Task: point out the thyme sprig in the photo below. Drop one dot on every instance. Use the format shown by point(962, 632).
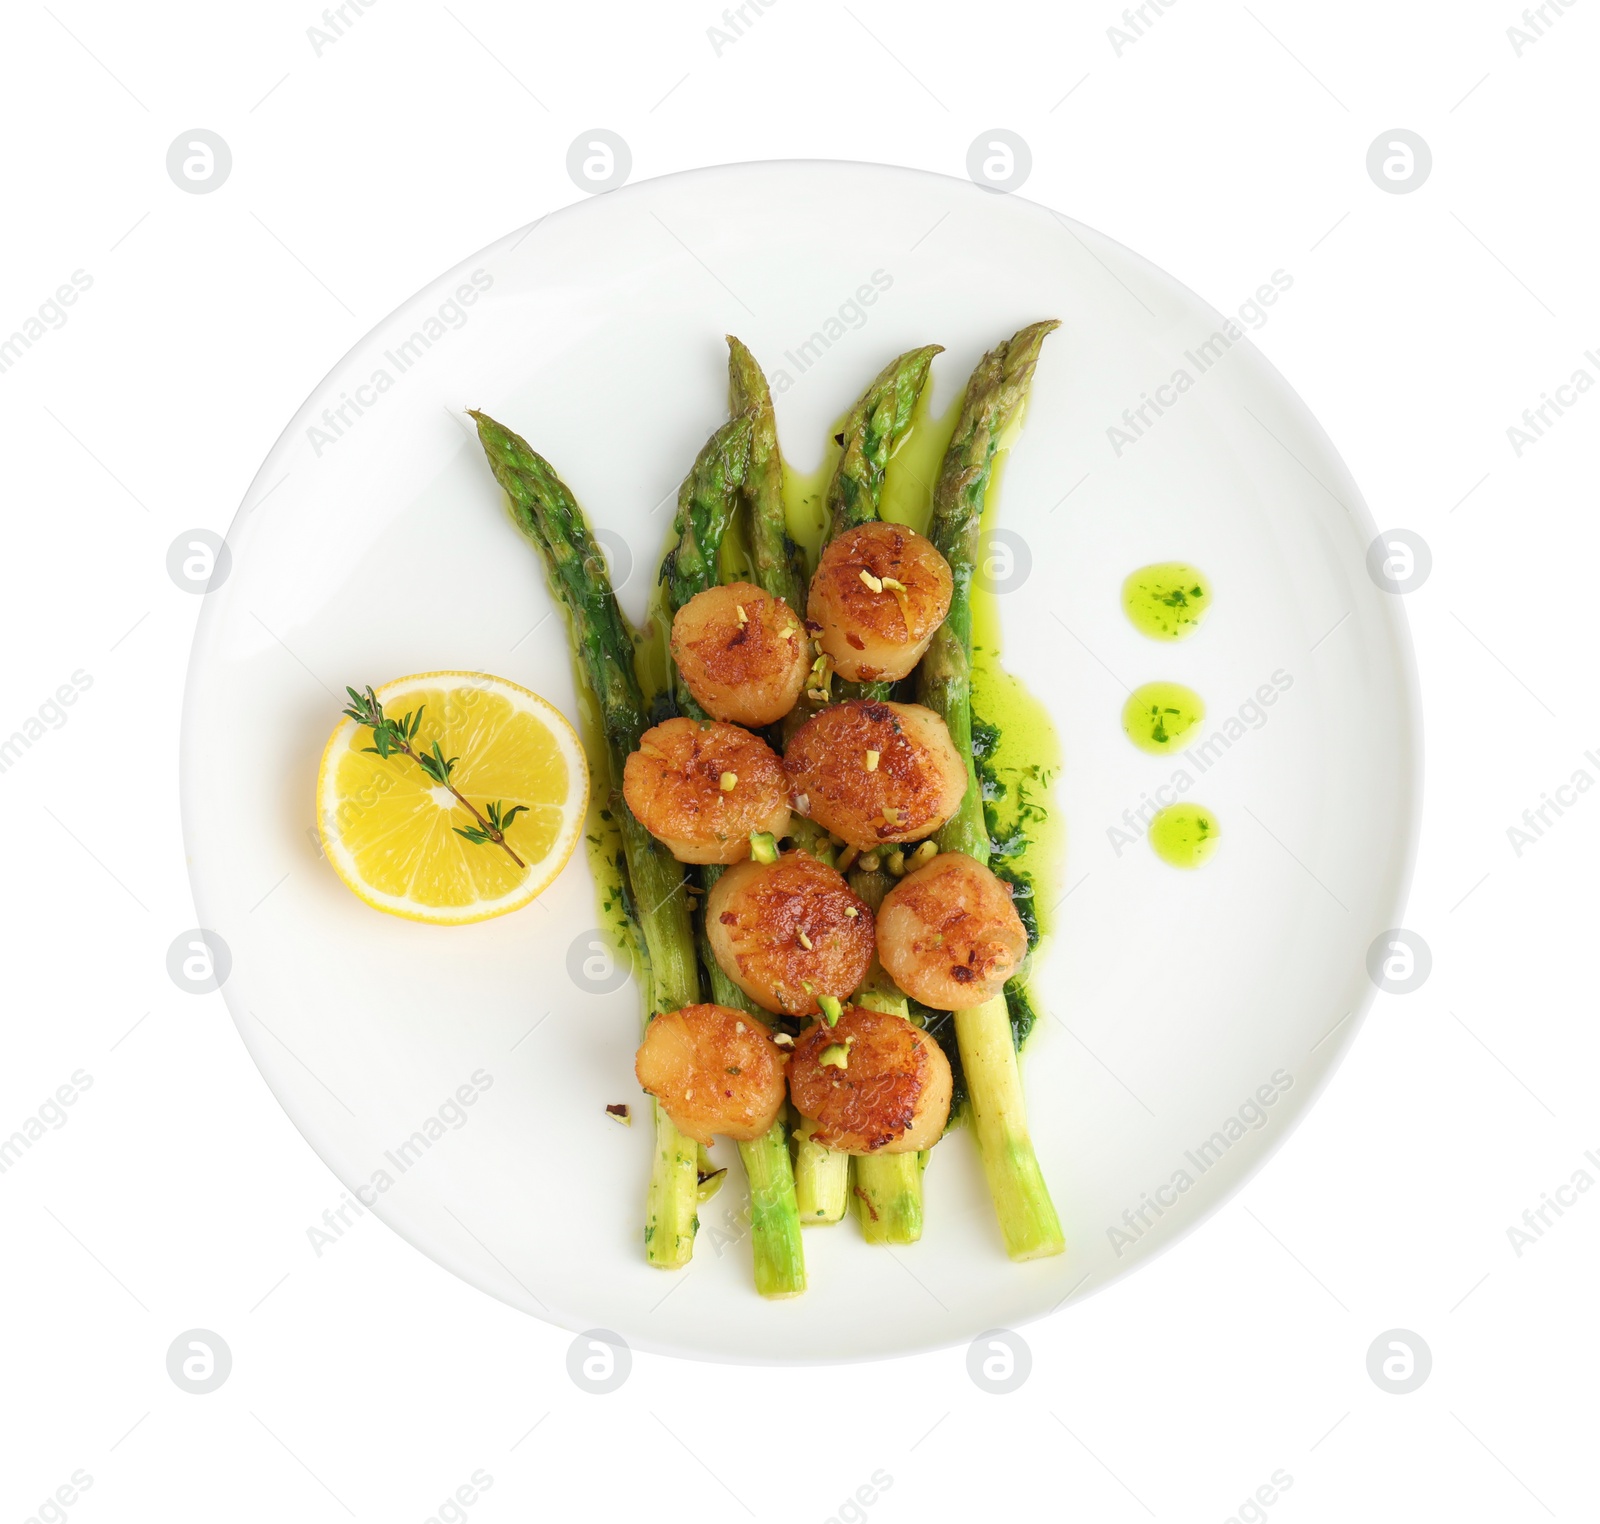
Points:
point(392, 737)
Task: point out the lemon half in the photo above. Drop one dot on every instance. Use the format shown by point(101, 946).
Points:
point(389, 829)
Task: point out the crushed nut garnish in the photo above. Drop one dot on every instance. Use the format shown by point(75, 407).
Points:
point(874, 583)
point(728, 782)
point(873, 758)
point(803, 940)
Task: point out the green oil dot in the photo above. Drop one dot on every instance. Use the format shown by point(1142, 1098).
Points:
point(1184, 835)
point(1161, 717)
point(1166, 601)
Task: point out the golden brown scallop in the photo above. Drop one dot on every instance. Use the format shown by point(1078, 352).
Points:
point(701, 787)
point(743, 653)
point(892, 1095)
point(788, 932)
point(714, 1070)
point(874, 773)
point(880, 592)
point(949, 935)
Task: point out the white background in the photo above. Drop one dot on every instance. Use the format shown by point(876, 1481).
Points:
point(1223, 144)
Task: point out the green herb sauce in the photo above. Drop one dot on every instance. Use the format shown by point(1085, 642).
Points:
point(1166, 601)
point(1162, 717)
point(1184, 835)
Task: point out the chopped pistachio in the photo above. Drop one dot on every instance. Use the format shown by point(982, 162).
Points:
point(894, 584)
point(874, 583)
point(763, 847)
point(873, 758)
point(850, 910)
point(803, 940)
point(891, 816)
point(744, 618)
point(831, 1009)
point(728, 782)
point(620, 1113)
point(835, 1054)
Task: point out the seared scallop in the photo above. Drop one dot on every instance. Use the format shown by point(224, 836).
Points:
point(871, 1084)
point(789, 932)
point(701, 787)
point(880, 592)
point(874, 773)
point(949, 935)
point(743, 653)
point(714, 1070)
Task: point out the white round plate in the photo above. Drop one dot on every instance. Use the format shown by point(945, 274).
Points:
point(456, 1079)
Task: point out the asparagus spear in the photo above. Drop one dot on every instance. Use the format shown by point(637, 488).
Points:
point(887, 1187)
point(779, 562)
point(872, 431)
point(706, 504)
point(888, 1193)
point(995, 393)
point(780, 1261)
point(545, 511)
point(821, 1181)
point(821, 1175)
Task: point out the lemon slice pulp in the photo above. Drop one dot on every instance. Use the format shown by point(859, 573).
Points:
point(389, 829)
